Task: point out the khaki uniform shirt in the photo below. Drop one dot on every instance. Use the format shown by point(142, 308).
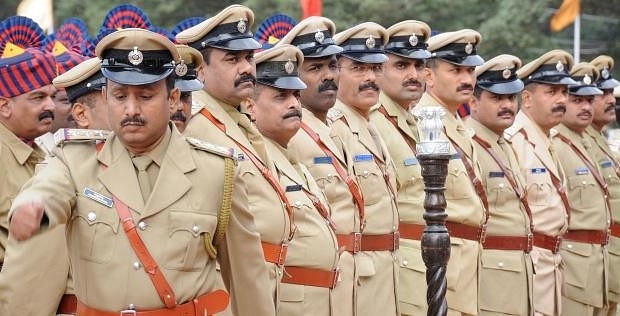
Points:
point(270, 216)
point(178, 219)
point(465, 207)
point(377, 271)
point(410, 198)
point(585, 276)
point(507, 217)
point(549, 216)
point(344, 212)
point(610, 170)
point(314, 244)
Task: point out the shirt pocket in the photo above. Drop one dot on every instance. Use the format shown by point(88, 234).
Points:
point(188, 235)
point(510, 295)
point(578, 254)
point(412, 274)
point(370, 180)
point(457, 182)
point(498, 190)
point(538, 189)
point(581, 189)
point(96, 230)
point(328, 180)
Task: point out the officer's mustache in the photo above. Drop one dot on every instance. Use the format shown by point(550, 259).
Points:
point(136, 120)
point(585, 113)
point(245, 77)
point(559, 108)
point(611, 107)
point(178, 116)
point(465, 86)
point(369, 85)
point(412, 82)
point(506, 111)
point(328, 85)
point(292, 113)
point(46, 114)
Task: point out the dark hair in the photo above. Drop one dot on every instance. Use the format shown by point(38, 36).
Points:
point(87, 99)
point(477, 92)
point(206, 54)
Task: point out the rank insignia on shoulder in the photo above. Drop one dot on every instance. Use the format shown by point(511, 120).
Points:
point(66, 135)
point(538, 170)
point(410, 161)
point(293, 188)
point(322, 160)
point(362, 157)
point(214, 149)
point(496, 174)
point(334, 114)
point(606, 164)
point(98, 197)
point(581, 171)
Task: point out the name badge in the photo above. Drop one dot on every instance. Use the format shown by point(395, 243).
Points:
point(410, 161)
point(606, 164)
point(293, 188)
point(240, 156)
point(496, 174)
point(322, 160)
point(581, 171)
point(538, 170)
point(362, 157)
point(455, 156)
point(98, 197)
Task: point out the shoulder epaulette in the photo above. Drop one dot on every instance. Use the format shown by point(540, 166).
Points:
point(66, 135)
point(214, 149)
point(553, 132)
point(510, 132)
point(334, 114)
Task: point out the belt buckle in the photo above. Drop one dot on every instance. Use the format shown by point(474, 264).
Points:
point(131, 312)
point(396, 240)
point(357, 242)
point(530, 243)
point(282, 253)
point(607, 234)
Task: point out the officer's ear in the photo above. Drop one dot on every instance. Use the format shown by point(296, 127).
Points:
point(526, 98)
point(473, 105)
point(174, 98)
point(5, 108)
point(78, 111)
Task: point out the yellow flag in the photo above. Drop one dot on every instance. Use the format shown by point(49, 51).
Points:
point(565, 15)
point(40, 11)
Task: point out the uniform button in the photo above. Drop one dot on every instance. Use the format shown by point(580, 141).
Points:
point(405, 263)
point(501, 185)
point(142, 225)
point(500, 264)
point(279, 272)
point(195, 229)
point(297, 203)
point(132, 306)
point(569, 246)
point(366, 172)
point(137, 265)
point(583, 182)
point(92, 216)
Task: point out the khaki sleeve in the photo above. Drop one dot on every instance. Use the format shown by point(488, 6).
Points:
point(242, 263)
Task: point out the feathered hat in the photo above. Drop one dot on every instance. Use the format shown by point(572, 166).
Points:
point(120, 17)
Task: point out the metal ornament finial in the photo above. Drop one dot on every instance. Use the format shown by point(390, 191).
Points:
point(432, 140)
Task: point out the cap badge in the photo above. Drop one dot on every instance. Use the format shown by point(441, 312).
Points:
point(469, 48)
point(319, 37)
point(506, 73)
point(413, 40)
point(88, 85)
point(370, 42)
point(587, 79)
point(605, 73)
point(559, 66)
point(181, 68)
point(289, 67)
point(135, 56)
point(242, 26)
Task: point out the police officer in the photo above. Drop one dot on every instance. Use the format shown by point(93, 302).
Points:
point(314, 146)
point(450, 81)
point(584, 290)
point(177, 217)
point(55, 295)
point(543, 104)
point(507, 242)
point(228, 48)
point(187, 82)
point(311, 265)
point(402, 85)
point(360, 62)
point(603, 114)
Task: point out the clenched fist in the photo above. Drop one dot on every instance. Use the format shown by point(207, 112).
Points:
point(26, 220)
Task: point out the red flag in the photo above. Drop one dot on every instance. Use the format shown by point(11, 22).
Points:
point(566, 14)
point(311, 7)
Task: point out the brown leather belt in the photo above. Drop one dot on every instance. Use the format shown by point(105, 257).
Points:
point(615, 230)
point(596, 237)
point(356, 242)
point(310, 276)
point(67, 305)
point(207, 304)
point(523, 243)
point(410, 231)
point(548, 242)
point(465, 231)
point(275, 253)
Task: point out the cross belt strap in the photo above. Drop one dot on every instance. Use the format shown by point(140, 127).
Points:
point(204, 305)
point(273, 182)
point(351, 184)
point(166, 294)
point(310, 276)
point(67, 305)
point(410, 141)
